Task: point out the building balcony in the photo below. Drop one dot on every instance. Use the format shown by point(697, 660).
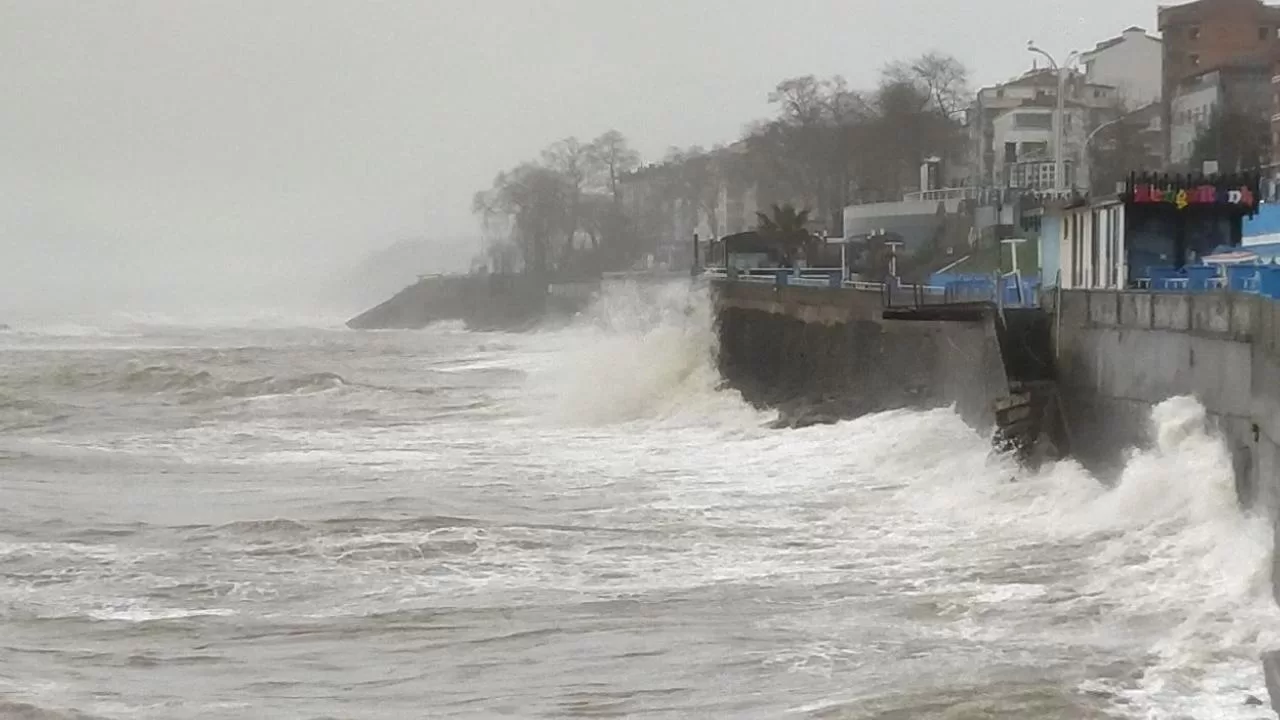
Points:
point(958, 193)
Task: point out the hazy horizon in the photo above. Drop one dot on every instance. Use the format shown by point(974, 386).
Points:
point(186, 152)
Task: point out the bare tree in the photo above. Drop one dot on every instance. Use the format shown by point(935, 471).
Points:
point(697, 184)
point(799, 99)
point(533, 197)
point(940, 77)
point(571, 160)
point(613, 158)
point(827, 145)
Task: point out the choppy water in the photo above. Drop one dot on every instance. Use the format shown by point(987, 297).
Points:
point(315, 523)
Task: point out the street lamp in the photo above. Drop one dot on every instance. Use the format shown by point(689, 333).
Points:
point(1058, 171)
point(893, 246)
point(1089, 138)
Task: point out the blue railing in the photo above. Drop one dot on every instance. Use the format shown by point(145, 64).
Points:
point(1256, 279)
point(1013, 290)
point(945, 288)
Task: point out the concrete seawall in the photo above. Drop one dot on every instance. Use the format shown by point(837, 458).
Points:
point(1115, 355)
point(820, 354)
point(823, 353)
point(1122, 352)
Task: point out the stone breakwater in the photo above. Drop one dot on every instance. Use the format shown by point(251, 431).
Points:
point(483, 302)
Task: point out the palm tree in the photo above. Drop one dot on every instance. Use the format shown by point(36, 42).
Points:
point(786, 228)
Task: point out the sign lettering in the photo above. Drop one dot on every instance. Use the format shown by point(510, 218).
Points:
point(1199, 195)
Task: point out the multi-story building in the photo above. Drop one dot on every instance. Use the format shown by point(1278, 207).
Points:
point(1191, 108)
point(1226, 112)
point(1011, 129)
point(1208, 35)
point(1131, 62)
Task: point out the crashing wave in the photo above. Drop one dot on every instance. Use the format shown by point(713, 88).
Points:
point(194, 385)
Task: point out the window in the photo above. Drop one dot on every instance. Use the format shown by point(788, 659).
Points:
point(1264, 33)
point(1077, 250)
point(1114, 252)
point(1033, 120)
point(1194, 32)
point(1035, 149)
point(1000, 93)
point(1194, 59)
point(1094, 227)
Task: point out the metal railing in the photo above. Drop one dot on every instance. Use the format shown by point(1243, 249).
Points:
point(1007, 291)
point(802, 277)
point(984, 194)
point(1252, 279)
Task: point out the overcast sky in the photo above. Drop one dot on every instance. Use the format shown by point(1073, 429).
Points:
point(167, 143)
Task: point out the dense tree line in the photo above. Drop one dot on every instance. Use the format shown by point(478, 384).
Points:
point(562, 211)
point(590, 206)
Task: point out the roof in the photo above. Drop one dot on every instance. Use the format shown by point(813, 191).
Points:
point(750, 241)
point(1047, 77)
point(1167, 14)
point(1265, 224)
point(1268, 249)
point(1112, 42)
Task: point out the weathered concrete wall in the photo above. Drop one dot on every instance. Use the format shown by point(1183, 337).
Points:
point(1120, 353)
point(823, 354)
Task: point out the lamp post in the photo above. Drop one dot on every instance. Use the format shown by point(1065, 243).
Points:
point(1059, 115)
point(893, 246)
point(1013, 244)
point(1089, 138)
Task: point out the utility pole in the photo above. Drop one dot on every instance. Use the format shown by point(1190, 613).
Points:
point(1059, 172)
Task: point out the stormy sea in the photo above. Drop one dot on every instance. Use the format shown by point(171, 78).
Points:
point(281, 518)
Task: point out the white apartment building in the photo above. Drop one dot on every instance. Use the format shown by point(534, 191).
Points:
point(1132, 63)
point(1191, 110)
point(1011, 129)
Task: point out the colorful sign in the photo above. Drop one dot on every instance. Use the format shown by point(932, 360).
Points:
point(1198, 195)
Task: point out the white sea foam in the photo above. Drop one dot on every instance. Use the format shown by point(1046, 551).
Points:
point(640, 352)
point(890, 554)
point(1168, 546)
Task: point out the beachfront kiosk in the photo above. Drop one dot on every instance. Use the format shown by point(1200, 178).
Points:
point(1155, 233)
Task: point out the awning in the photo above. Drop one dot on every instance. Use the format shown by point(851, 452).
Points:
point(1237, 257)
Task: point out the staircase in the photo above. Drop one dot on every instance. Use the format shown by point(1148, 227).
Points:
point(1030, 422)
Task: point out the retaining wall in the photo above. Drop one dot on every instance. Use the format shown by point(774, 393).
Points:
point(1120, 353)
point(826, 353)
